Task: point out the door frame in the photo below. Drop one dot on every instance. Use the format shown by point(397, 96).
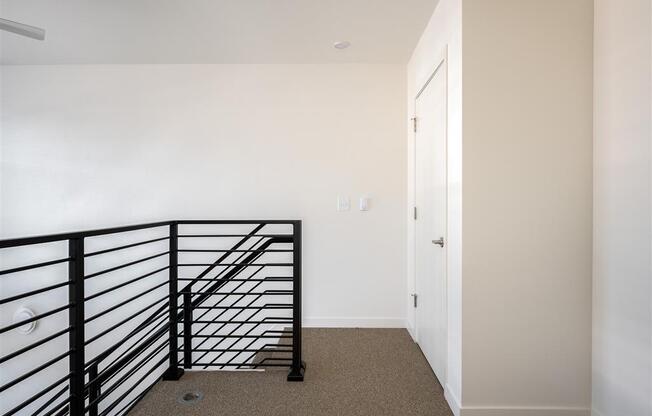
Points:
point(441, 62)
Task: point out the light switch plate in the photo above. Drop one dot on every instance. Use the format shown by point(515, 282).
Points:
point(343, 203)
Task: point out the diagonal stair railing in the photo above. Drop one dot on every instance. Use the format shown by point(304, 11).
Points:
point(116, 310)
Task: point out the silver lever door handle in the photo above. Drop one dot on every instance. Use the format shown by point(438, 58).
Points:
point(439, 242)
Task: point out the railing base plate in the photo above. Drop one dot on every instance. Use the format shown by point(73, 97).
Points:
point(173, 374)
point(297, 375)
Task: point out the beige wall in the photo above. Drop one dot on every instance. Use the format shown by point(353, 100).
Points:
point(622, 288)
point(527, 207)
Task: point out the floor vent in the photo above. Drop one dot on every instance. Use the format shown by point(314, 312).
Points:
point(191, 397)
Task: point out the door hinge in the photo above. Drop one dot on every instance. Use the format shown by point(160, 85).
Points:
point(414, 124)
point(415, 213)
point(414, 299)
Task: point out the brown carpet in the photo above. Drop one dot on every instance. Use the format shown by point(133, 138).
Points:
point(349, 372)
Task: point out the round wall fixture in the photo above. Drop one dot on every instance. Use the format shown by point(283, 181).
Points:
point(23, 314)
point(342, 44)
point(190, 397)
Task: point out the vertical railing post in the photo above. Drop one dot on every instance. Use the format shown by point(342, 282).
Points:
point(94, 391)
point(187, 329)
point(76, 321)
point(174, 372)
point(298, 366)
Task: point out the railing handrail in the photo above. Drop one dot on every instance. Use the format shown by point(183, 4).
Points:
point(49, 238)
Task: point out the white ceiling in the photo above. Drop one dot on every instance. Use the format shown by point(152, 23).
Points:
point(214, 31)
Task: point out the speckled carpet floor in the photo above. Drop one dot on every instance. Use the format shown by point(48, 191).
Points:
point(349, 372)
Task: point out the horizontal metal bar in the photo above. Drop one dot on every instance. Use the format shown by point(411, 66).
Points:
point(122, 266)
point(156, 328)
point(52, 400)
point(124, 302)
point(34, 371)
point(34, 292)
point(235, 235)
point(62, 412)
point(241, 336)
point(267, 306)
point(149, 325)
point(60, 407)
point(33, 266)
point(268, 331)
point(235, 264)
point(242, 364)
point(140, 380)
point(101, 334)
point(110, 250)
point(237, 251)
point(37, 395)
point(102, 378)
point(103, 292)
point(265, 320)
point(129, 373)
point(24, 241)
point(34, 345)
point(227, 222)
point(286, 321)
point(266, 279)
point(270, 292)
point(237, 350)
point(35, 318)
point(133, 402)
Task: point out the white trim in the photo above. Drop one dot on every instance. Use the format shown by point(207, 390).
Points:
point(523, 411)
point(410, 330)
point(453, 401)
point(354, 323)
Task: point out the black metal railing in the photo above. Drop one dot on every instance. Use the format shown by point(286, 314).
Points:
point(118, 309)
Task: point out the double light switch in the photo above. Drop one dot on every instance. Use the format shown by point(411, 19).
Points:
point(344, 203)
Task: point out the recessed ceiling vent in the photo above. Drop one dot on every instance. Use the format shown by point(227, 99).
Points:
point(343, 44)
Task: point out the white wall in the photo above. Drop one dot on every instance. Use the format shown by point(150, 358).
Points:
point(527, 186)
point(442, 37)
point(622, 286)
point(92, 146)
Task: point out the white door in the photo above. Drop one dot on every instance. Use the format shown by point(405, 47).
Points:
point(431, 195)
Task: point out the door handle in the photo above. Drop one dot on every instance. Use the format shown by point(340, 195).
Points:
point(439, 242)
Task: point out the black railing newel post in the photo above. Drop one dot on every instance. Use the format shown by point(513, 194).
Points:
point(76, 321)
point(298, 366)
point(174, 372)
point(94, 391)
point(187, 330)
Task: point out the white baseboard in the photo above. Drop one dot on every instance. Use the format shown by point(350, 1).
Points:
point(354, 323)
point(412, 332)
point(453, 401)
point(459, 410)
point(523, 411)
